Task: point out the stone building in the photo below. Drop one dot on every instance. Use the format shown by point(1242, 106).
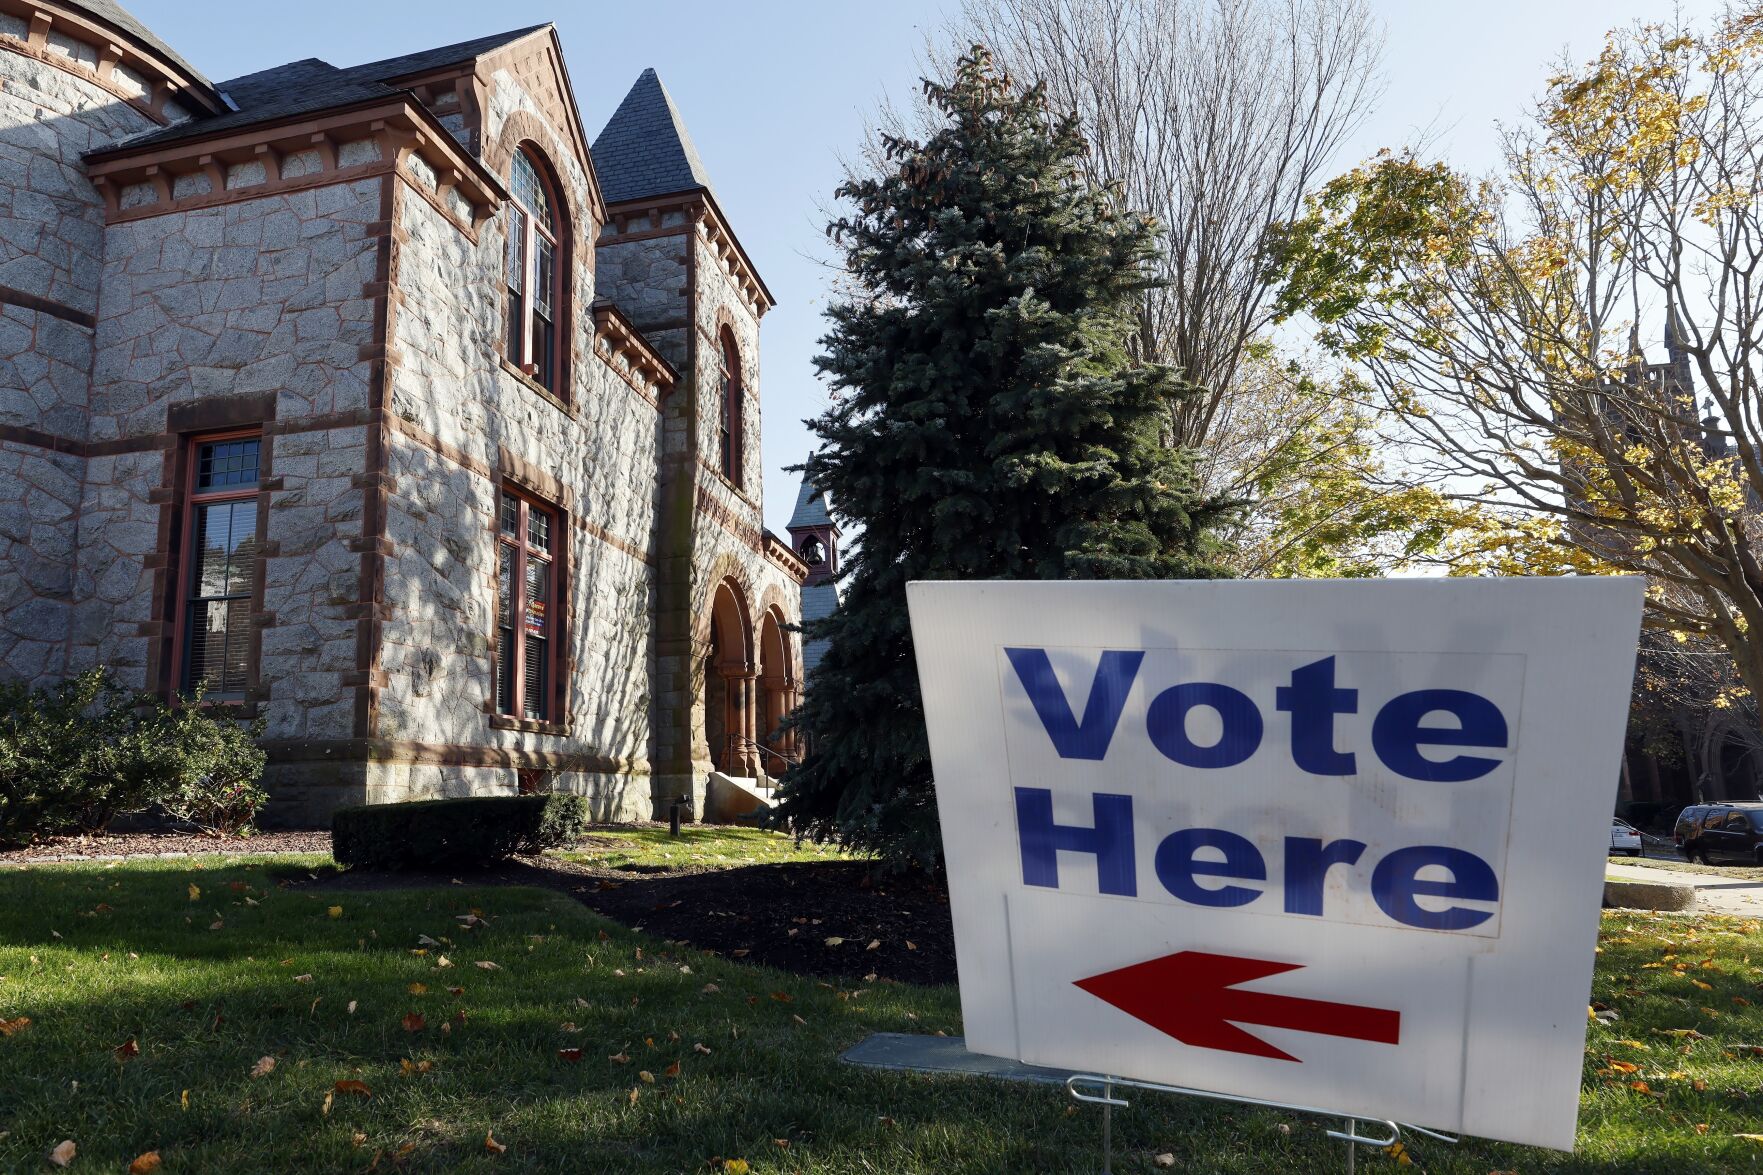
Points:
point(380, 400)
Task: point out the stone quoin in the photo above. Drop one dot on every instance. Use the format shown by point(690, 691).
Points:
point(392, 406)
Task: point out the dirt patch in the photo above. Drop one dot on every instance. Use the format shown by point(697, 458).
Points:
point(809, 918)
point(161, 843)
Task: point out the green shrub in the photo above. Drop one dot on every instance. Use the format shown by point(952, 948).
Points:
point(218, 768)
point(79, 753)
point(454, 834)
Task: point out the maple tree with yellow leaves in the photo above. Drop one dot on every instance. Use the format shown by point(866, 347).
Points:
point(1498, 320)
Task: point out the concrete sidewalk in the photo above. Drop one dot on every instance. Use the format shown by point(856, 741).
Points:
point(1715, 894)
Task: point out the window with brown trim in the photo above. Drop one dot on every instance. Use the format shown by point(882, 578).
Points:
point(532, 273)
point(729, 418)
point(219, 577)
point(527, 608)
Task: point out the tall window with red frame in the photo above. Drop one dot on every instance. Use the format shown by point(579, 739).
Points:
point(533, 277)
point(526, 608)
point(729, 418)
point(220, 570)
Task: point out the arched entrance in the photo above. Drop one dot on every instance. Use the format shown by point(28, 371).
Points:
point(730, 685)
point(780, 690)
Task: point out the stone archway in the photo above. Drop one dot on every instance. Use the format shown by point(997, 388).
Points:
point(730, 684)
point(779, 690)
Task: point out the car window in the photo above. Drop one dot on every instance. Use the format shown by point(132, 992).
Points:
point(1737, 822)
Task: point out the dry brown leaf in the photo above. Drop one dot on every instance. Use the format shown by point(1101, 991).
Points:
point(620, 1058)
point(145, 1164)
point(264, 1067)
point(699, 1048)
point(335, 911)
point(671, 1071)
point(330, 1096)
point(9, 1027)
point(486, 965)
point(874, 944)
point(646, 1077)
point(64, 1152)
point(491, 1145)
point(418, 989)
point(414, 1022)
point(127, 1049)
point(352, 1086)
point(573, 1056)
point(351, 1007)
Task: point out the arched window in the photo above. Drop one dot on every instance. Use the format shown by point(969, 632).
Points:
point(534, 276)
point(729, 418)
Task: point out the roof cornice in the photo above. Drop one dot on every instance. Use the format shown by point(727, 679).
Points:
point(400, 121)
point(167, 79)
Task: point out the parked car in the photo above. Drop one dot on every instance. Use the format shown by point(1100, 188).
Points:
point(1720, 832)
point(1624, 837)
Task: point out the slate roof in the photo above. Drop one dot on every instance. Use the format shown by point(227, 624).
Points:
point(818, 602)
point(124, 21)
point(311, 85)
point(810, 508)
point(645, 149)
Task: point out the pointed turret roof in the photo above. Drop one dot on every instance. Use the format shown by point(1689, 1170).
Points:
point(810, 508)
point(645, 149)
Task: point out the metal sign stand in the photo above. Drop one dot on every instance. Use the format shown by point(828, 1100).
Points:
point(1099, 1091)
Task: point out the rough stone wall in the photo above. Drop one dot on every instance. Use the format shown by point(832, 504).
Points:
point(647, 279)
point(463, 411)
point(51, 248)
point(264, 305)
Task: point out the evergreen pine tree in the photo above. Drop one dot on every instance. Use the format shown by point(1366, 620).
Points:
point(987, 423)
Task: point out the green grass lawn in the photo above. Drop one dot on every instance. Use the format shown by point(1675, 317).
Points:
point(1678, 865)
point(714, 846)
point(208, 966)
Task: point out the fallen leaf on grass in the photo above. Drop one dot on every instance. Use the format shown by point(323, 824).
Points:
point(127, 1049)
point(418, 989)
point(264, 1067)
point(355, 1087)
point(834, 941)
point(10, 1027)
point(145, 1164)
point(486, 965)
point(620, 1058)
point(63, 1154)
point(874, 944)
point(415, 1022)
point(335, 911)
point(1166, 1159)
point(783, 997)
point(351, 1007)
point(184, 1100)
point(671, 1071)
point(329, 1097)
point(699, 1048)
point(573, 1056)
point(195, 892)
point(303, 979)
point(735, 1167)
point(491, 1145)
point(633, 1097)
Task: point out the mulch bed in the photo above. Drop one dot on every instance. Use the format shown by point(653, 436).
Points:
point(809, 918)
point(162, 843)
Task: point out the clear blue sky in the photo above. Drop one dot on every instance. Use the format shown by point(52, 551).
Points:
point(774, 90)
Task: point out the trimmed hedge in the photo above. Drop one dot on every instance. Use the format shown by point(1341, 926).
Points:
point(454, 834)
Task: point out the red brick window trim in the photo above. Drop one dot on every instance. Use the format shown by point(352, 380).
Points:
point(217, 580)
point(728, 429)
point(535, 274)
point(529, 634)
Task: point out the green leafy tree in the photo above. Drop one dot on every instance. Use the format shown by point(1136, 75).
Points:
point(988, 422)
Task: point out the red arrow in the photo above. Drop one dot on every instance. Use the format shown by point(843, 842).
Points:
point(1192, 996)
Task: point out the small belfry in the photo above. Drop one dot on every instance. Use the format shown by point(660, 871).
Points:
point(814, 534)
point(389, 406)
